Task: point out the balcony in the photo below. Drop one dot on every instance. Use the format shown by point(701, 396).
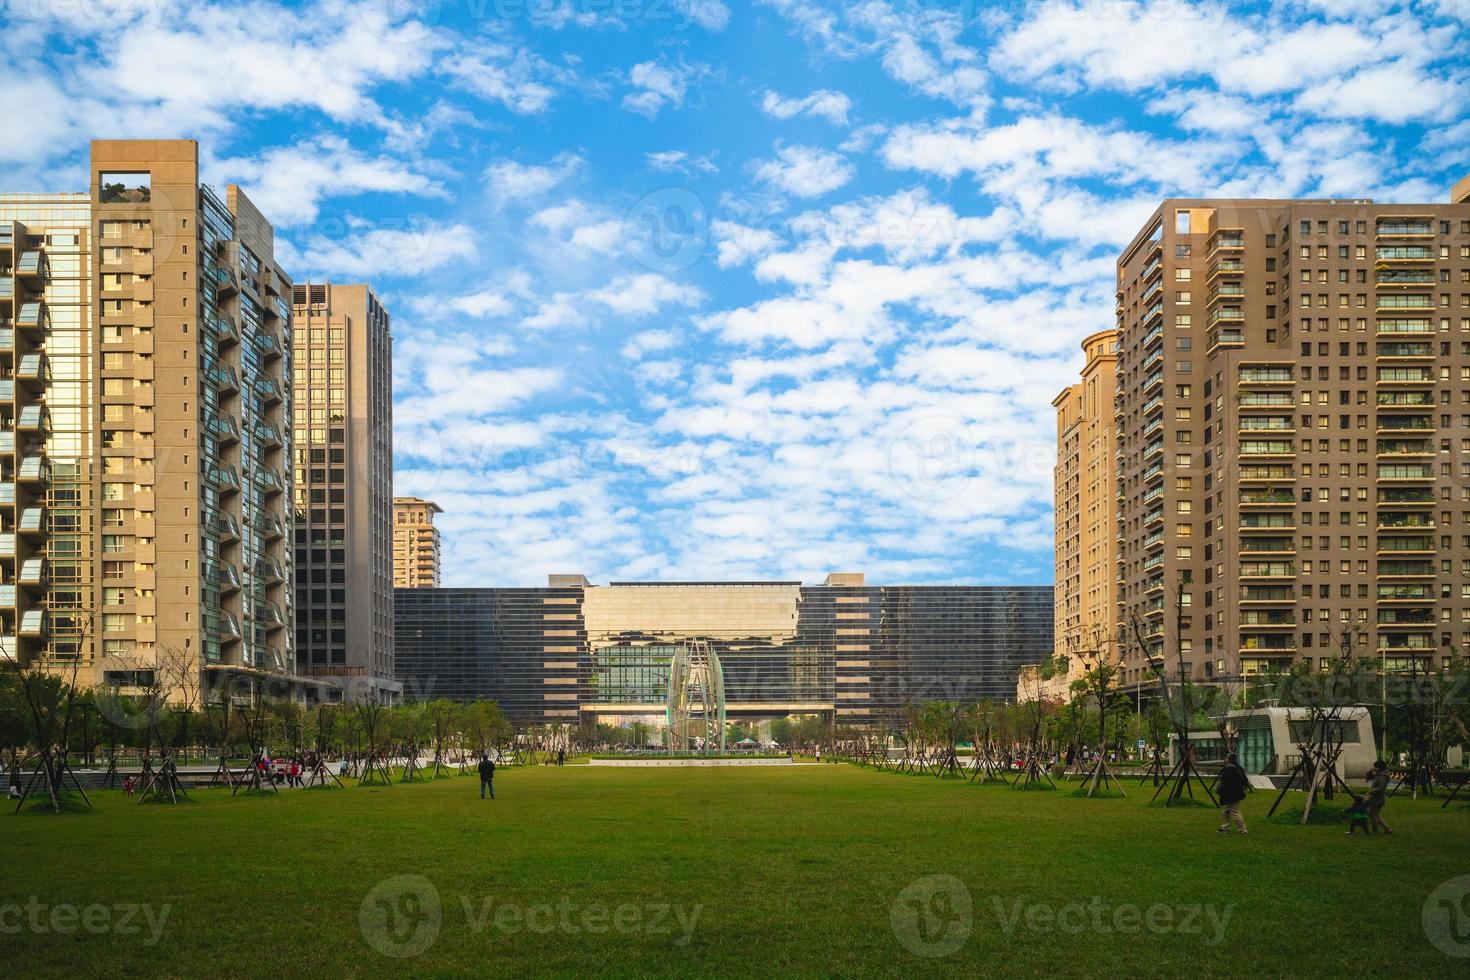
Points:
point(269, 570)
point(226, 528)
point(270, 480)
point(225, 577)
point(7, 545)
point(1405, 447)
point(1417, 400)
point(1266, 399)
point(32, 572)
point(32, 623)
point(1405, 375)
point(1404, 496)
point(1224, 337)
point(1403, 253)
point(1404, 228)
point(226, 479)
point(1157, 310)
point(1405, 522)
point(32, 418)
point(1267, 447)
point(224, 379)
point(1412, 302)
point(1226, 314)
point(1153, 336)
point(32, 521)
point(268, 345)
point(1157, 378)
point(7, 443)
point(225, 283)
point(1404, 593)
point(32, 367)
point(1387, 278)
point(30, 265)
point(1405, 568)
point(1266, 375)
point(1227, 240)
point(1405, 471)
point(225, 331)
point(32, 315)
point(7, 596)
point(270, 527)
point(1267, 569)
point(268, 390)
point(269, 434)
point(224, 428)
point(34, 469)
point(1413, 326)
point(1405, 349)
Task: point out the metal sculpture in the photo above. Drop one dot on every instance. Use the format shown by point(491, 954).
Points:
point(696, 702)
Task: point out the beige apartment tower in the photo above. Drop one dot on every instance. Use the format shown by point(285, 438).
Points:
point(1293, 429)
point(344, 489)
point(415, 543)
point(1085, 624)
point(143, 410)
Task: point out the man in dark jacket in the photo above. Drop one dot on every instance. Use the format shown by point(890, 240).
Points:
point(487, 777)
point(1232, 790)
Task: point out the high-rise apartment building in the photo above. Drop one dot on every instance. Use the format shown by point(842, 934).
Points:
point(145, 343)
point(1293, 416)
point(415, 543)
point(344, 488)
point(1085, 623)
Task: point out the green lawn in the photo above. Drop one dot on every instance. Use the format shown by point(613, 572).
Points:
point(783, 870)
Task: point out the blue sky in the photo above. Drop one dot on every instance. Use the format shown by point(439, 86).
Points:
point(698, 289)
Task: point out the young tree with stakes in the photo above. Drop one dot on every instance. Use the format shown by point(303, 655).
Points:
point(1181, 778)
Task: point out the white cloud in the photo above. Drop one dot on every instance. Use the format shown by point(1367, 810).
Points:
point(512, 181)
point(367, 252)
point(823, 103)
point(805, 171)
point(678, 161)
point(514, 77)
point(289, 183)
point(712, 15)
point(657, 84)
point(644, 294)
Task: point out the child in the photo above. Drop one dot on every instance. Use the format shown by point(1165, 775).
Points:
point(128, 786)
point(1357, 815)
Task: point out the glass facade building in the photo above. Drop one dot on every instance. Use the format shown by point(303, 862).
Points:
point(575, 651)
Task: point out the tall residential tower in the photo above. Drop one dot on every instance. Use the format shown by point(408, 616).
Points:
point(1085, 597)
point(344, 488)
point(145, 339)
point(1293, 418)
point(415, 543)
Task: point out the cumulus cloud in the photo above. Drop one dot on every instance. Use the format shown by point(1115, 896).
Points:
point(804, 171)
point(823, 103)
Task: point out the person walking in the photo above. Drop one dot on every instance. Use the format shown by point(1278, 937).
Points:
point(1232, 790)
point(487, 777)
point(561, 756)
point(1377, 796)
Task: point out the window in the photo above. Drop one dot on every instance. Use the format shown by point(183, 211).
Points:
point(124, 187)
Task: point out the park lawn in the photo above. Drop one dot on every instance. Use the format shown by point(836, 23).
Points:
point(792, 870)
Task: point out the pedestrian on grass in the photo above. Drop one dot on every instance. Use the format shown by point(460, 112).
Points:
point(1232, 787)
point(1377, 796)
point(561, 756)
point(128, 786)
point(487, 777)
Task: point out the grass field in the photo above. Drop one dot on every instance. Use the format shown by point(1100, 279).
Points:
point(788, 870)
